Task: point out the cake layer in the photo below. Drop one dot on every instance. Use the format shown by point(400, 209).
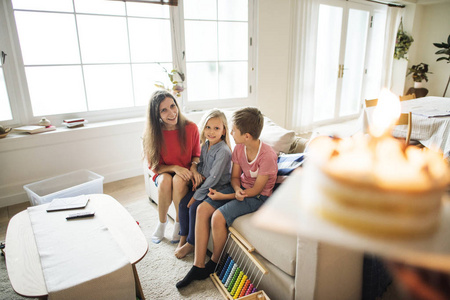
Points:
point(381, 200)
point(375, 185)
point(369, 209)
point(377, 223)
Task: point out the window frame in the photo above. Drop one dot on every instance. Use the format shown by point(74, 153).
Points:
point(19, 96)
point(251, 68)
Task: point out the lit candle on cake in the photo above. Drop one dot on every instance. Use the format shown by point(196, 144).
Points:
point(385, 115)
point(373, 183)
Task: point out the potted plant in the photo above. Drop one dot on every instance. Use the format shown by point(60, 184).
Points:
point(446, 51)
point(176, 78)
point(419, 72)
point(402, 43)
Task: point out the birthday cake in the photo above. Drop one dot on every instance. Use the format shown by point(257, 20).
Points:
point(373, 186)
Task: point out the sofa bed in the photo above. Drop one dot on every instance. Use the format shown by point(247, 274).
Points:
point(298, 268)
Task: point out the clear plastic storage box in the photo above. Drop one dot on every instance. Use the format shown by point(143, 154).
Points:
point(67, 185)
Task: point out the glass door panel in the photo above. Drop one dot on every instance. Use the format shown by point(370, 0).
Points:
point(353, 68)
point(327, 61)
point(342, 33)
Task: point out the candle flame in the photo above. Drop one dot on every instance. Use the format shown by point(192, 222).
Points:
point(385, 114)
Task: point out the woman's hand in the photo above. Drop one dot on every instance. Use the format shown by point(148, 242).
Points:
point(183, 173)
point(240, 194)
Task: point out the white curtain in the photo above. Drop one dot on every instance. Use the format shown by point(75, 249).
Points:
point(392, 22)
point(303, 61)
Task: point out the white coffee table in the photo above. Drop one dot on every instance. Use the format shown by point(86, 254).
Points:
point(22, 258)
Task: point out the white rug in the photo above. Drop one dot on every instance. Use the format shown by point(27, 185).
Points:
point(158, 271)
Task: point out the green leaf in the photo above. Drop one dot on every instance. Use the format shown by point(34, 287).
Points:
point(439, 45)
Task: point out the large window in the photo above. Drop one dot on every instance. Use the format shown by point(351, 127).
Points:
point(101, 59)
point(216, 35)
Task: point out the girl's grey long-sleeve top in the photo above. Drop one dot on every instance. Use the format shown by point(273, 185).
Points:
point(215, 165)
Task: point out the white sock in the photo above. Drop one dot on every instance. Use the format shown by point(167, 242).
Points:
point(175, 235)
point(158, 234)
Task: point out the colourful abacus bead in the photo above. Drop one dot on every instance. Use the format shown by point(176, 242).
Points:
point(225, 267)
point(236, 283)
point(254, 291)
point(233, 280)
point(241, 284)
point(230, 276)
point(249, 290)
point(244, 289)
point(221, 264)
point(227, 273)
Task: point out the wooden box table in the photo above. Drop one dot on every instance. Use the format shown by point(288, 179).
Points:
point(22, 257)
point(283, 212)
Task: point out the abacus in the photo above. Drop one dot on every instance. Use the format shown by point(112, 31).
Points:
point(239, 272)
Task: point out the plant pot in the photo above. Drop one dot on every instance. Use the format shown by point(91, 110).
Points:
point(417, 85)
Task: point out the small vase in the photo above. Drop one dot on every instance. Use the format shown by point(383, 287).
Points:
point(45, 122)
point(417, 84)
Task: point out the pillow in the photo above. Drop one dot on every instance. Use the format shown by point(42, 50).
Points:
point(289, 162)
point(279, 138)
point(286, 164)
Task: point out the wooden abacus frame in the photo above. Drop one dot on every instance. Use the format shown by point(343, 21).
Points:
point(247, 249)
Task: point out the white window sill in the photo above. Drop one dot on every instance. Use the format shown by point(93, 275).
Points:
point(62, 134)
point(14, 141)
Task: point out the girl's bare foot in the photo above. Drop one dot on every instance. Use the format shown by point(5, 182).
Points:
point(184, 250)
point(182, 242)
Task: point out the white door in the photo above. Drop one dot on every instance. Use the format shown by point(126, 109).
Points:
point(342, 35)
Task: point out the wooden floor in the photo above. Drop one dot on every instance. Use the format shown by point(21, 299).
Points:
point(125, 191)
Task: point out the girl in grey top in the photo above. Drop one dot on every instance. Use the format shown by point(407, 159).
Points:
point(215, 168)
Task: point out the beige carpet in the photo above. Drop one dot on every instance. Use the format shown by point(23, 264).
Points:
point(158, 271)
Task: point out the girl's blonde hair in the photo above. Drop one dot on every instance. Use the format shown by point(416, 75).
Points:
point(153, 140)
point(215, 113)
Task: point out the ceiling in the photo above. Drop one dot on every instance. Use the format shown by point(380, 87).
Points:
point(421, 2)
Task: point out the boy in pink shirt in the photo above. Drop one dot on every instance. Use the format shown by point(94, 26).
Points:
point(253, 177)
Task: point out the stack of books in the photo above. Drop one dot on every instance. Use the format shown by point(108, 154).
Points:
point(32, 129)
point(71, 123)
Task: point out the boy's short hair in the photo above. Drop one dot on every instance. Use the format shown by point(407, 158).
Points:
point(249, 120)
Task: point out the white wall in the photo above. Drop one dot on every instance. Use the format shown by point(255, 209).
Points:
point(427, 24)
point(273, 58)
point(112, 150)
point(431, 25)
point(400, 66)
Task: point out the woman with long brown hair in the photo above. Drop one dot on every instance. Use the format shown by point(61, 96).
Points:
point(171, 147)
